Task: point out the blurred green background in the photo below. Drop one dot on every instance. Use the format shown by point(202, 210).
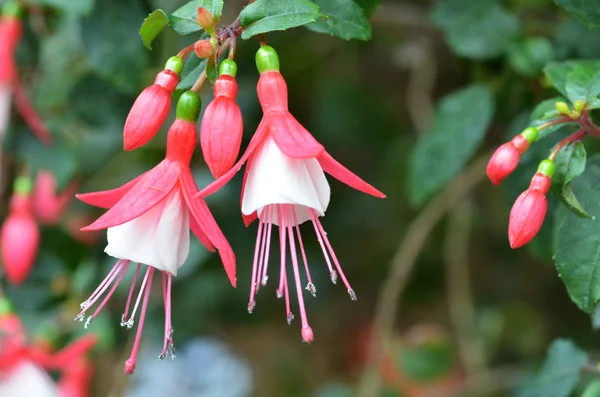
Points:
point(476, 317)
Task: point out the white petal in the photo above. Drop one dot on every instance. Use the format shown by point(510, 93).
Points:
point(27, 379)
point(159, 238)
point(275, 178)
point(5, 105)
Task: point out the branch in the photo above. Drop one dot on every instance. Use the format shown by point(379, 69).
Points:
point(402, 264)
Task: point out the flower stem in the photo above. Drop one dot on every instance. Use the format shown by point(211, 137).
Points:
point(185, 51)
point(198, 84)
point(579, 135)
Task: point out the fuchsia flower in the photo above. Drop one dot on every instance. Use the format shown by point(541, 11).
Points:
point(506, 158)
point(149, 221)
point(529, 210)
point(151, 108)
point(10, 33)
point(222, 126)
point(285, 185)
point(20, 236)
point(48, 204)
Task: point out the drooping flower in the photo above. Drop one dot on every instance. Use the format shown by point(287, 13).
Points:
point(151, 108)
point(20, 235)
point(222, 126)
point(149, 221)
point(506, 158)
point(48, 204)
point(10, 32)
point(285, 185)
point(529, 210)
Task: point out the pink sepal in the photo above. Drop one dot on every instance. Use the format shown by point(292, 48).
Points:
point(108, 198)
point(344, 175)
point(291, 137)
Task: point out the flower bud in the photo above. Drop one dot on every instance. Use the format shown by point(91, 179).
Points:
point(579, 105)
point(529, 210)
point(205, 20)
point(562, 108)
point(222, 126)
point(19, 237)
point(151, 108)
point(204, 48)
point(48, 204)
point(506, 158)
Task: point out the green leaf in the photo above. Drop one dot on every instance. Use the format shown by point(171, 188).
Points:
point(593, 389)
point(152, 26)
point(570, 163)
point(560, 373)
point(587, 11)
point(79, 7)
point(427, 362)
point(583, 82)
point(480, 29)
point(577, 241)
point(268, 15)
point(462, 118)
point(531, 55)
point(345, 19)
point(191, 71)
point(369, 6)
point(212, 71)
point(557, 72)
point(545, 112)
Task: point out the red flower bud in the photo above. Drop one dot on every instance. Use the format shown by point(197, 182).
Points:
point(49, 206)
point(149, 111)
point(222, 127)
point(204, 48)
point(205, 19)
point(20, 239)
point(506, 158)
point(529, 211)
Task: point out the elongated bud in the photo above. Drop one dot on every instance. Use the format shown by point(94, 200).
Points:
point(151, 108)
point(528, 213)
point(506, 158)
point(205, 20)
point(204, 48)
point(181, 138)
point(20, 235)
point(562, 108)
point(222, 126)
point(48, 203)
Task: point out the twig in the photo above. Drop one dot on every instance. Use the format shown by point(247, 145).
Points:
point(460, 300)
point(402, 264)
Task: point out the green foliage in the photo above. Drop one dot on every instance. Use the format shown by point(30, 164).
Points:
point(531, 55)
point(577, 241)
point(264, 16)
point(461, 120)
point(191, 71)
point(570, 163)
point(588, 11)
point(560, 373)
point(426, 362)
point(344, 19)
point(79, 7)
point(574, 79)
point(152, 26)
point(593, 389)
point(476, 29)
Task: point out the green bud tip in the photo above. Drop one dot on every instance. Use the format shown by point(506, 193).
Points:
point(5, 307)
point(579, 105)
point(188, 107)
point(12, 8)
point(175, 64)
point(547, 168)
point(267, 59)
point(562, 108)
point(22, 185)
point(228, 67)
point(530, 134)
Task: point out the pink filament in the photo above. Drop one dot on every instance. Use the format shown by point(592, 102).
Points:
point(124, 317)
point(138, 336)
point(168, 341)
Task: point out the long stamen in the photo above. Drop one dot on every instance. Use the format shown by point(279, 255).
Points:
point(124, 267)
point(283, 284)
point(86, 303)
point(114, 274)
point(310, 286)
point(332, 273)
point(129, 323)
point(130, 363)
point(267, 249)
point(307, 333)
point(124, 321)
point(168, 345)
point(333, 256)
point(255, 278)
point(262, 249)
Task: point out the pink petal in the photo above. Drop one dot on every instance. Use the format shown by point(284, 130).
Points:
point(255, 142)
point(207, 223)
point(199, 233)
point(149, 191)
point(292, 138)
point(108, 198)
point(344, 175)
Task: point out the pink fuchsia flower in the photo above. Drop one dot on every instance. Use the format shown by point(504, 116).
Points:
point(222, 126)
point(285, 185)
point(149, 221)
point(10, 32)
point(151, 108)
point(529, 210)
point(48, 204)
point(26, 378)
point(20, 236)
point(506, 158)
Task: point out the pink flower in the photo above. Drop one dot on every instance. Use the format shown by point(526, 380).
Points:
point(48, 204)
point(149, 221)
point(10, 32)
point(285, 185)
point(506, 158)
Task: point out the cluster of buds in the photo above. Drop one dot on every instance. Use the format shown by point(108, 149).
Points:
point(149, 219)
point(529, 210)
